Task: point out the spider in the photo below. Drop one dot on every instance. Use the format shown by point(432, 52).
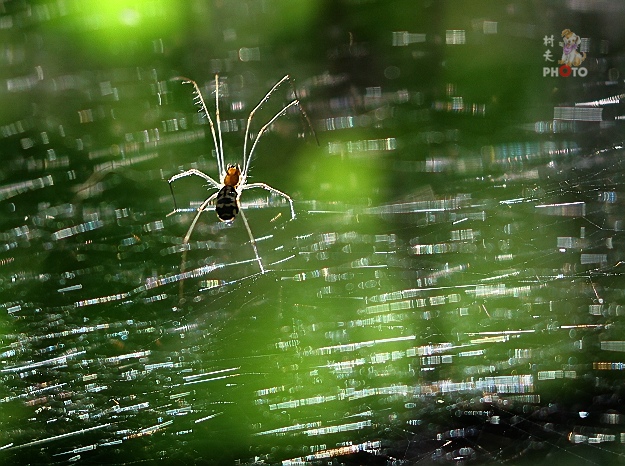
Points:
point(234, 176)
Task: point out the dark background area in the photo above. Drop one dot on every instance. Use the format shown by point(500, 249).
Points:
point(450, 291)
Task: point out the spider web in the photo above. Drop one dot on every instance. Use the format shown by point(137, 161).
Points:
point(413, 330)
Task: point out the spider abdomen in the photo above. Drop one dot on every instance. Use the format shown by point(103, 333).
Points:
point(227, 203)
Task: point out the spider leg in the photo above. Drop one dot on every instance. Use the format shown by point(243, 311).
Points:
point(197, 216)
point(194, 171)
point(220, 150)
point(199, 100)
point(262, 131)
point(247, 157)
point(185, 241)
point(273, 190)
point(252, 241)
point(189, 172)
point(251, 115)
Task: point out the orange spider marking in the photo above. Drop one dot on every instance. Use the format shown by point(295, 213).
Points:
point(231, 178)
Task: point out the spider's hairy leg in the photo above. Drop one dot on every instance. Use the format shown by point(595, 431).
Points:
point(262, 131)
point(301, 109)
point(247, 157)
point(199, 101)
point(252, 242)
point(185, 240)
point(185, 173)
point(200, 209)
point(273, 190)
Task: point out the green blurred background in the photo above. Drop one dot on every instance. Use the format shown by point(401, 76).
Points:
point(449, 293)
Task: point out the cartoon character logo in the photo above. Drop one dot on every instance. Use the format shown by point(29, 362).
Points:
point(570, 55)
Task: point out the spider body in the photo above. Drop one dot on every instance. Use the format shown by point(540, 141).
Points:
point(227, 201)
point(234, 181)
point(232, 176)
